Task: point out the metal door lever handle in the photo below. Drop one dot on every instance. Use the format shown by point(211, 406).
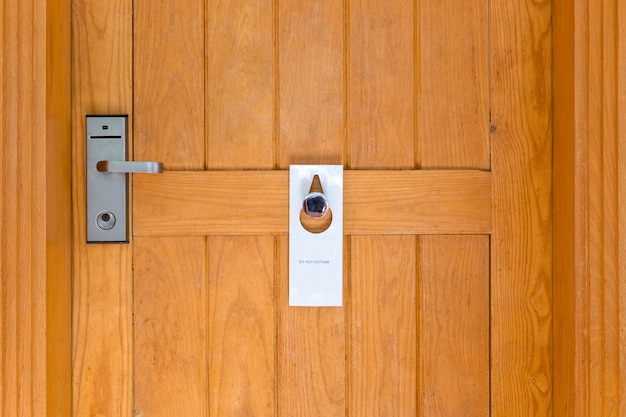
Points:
point(130, 167)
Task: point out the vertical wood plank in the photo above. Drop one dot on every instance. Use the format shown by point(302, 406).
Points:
point(621, 202)
point(311, 342)
point(595, 226)
point(171, 326)
point(454, 325)
point(566, 315)
point(610, 257)
point(521, 262)
point(23, 130)
point(602, 200)
point(169, 96)
point(453, 84)
point(102, 288)
point(240, 84)
point(381, 84)
point(169, 83)
point(381, 126)
point(241, 121)
point(311, 73)
point(58, 208)
point(311, 353)
point(383, 339)
point(589, 377)
point(242, 337)
point(15, 315)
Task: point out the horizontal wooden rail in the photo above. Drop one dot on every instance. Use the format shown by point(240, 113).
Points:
point(257, 202)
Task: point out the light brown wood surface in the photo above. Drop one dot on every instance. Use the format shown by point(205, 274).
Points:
point(102, 347)
point(589, 377)
point(310, 129)
point(383, 319)
point(58, 211)
point(170, 326)
point(380, 94)
point(453, 84)
point(454, 325)
point(23, 266)
point(168, 83)
point(310, 82)
point(521, 239)
point(589, 100)
point(375, 202)
point(240, 68)
point(243, 369)
point(35, 212)
point(228, 95)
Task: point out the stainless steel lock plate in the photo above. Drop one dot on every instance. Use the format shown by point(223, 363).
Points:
point(107, 193)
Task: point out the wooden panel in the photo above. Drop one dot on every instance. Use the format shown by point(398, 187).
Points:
point(453, 84)
point(620, 190)
point(242, 326)
point(102, 288)
point(454, 325)
point(310, 55)
point(383, 316)
point(381, 84)
point(602, 245)
point(240, 85)
point(35, 209)
point(241, 135)
point(171, 326)
point(102, 326)
point(565, 181)
point(589, 271)
point(234, 202)
point(521, 246)
point(311, 99)
point(58, 208)
point(414, 202)
point(311, 353)
point(22, 210)
point(169, 83)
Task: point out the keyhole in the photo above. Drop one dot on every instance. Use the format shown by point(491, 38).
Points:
point(105, 220)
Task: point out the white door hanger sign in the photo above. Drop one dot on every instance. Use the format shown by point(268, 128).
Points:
point(315, 235)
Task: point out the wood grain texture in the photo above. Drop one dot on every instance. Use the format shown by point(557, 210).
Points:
point(23, 130)
point(310, 77)
point(311, 353)
point(589, 275)
point(35, 212)
point(564, 179)
point(168, 84)
point(242, 326)
point(381, 84)
point(453, 85)
point(454, 325)
point(58, 210)
point(240, 84)
point(283, 94)
point(102, 288)
point(232, 202)
point(521, 245)
point(602, 245)
point(170, 332)
point(620, 190)
point(383, 326)
point(310, 129)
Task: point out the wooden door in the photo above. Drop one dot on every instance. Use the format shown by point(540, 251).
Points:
point(439, 112)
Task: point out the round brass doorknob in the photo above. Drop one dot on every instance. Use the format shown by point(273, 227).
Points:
point(315, 205)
